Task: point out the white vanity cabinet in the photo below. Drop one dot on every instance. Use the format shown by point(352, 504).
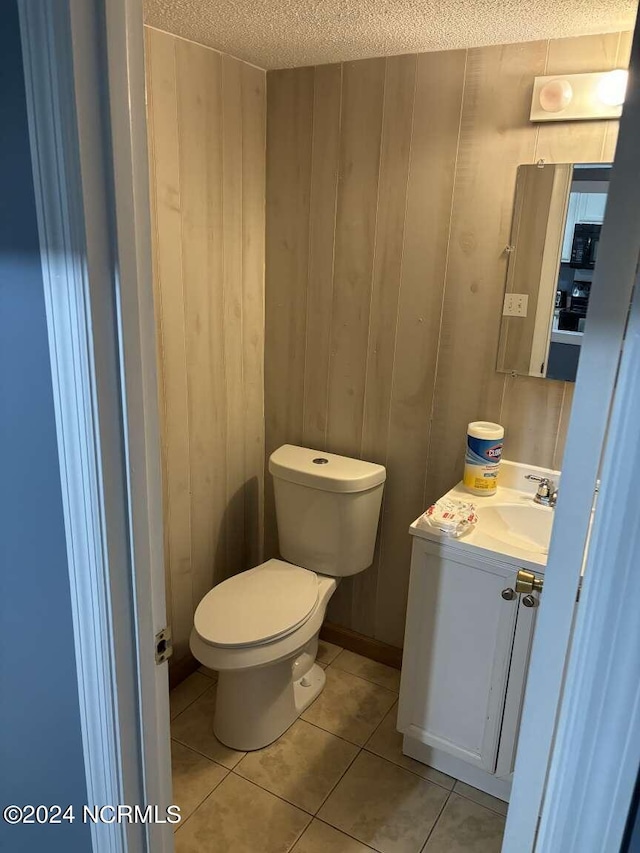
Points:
point(466, 653)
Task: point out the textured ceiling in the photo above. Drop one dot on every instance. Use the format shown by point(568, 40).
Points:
point(285, 33)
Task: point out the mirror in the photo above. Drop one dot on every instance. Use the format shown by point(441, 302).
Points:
point(558, 214)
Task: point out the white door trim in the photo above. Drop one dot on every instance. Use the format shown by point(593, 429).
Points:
point(126, 72)
point(93, 219)
point(608, 310)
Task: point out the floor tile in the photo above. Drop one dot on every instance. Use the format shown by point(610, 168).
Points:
point(210, 673)
point(194, 728)
point(302, 766)
point(465, 827)
point(384, 806)
point(371, 670)
point(187, 692)
point(349, 706)
point(481, 798)
point(386, 742)
point(327, 651)
point(239, 817)
point(194, 778)
point(321, 838)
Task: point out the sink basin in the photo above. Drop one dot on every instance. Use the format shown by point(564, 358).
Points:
point(524, 526)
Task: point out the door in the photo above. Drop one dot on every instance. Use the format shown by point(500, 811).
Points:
point(458, 643)
point(84, 74)
point(613, 282)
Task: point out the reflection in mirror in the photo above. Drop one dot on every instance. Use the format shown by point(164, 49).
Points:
point(558, 214)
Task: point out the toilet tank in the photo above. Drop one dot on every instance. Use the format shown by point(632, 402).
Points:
point(327, 509)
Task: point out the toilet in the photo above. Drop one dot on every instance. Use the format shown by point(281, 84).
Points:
point(259, 629)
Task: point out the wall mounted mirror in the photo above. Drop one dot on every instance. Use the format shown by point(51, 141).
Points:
point(558, 214)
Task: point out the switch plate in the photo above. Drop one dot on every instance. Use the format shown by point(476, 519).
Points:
point(515, 305)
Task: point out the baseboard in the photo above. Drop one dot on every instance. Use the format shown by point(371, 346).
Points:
point(358, 643)
point(452, 766)
point(344, 637)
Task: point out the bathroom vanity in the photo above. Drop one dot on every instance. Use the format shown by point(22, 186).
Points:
point(469, 634)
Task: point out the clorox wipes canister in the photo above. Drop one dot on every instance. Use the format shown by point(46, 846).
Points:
point(482, 459)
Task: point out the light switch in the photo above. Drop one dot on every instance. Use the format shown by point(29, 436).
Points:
point(515, 305)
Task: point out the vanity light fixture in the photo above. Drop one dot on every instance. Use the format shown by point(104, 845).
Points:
point(612, 88)
point(579, 96)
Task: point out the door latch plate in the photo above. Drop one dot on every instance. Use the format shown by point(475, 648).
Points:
point(164, 645)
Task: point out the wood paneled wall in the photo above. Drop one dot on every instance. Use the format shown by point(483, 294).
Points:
point(390, 189)
point(206, 127)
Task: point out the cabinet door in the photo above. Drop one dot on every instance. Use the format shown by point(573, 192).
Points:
point(457, 650)
point(514, 699)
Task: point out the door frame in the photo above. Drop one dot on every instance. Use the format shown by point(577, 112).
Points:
point(84, 78)
point(553, 716)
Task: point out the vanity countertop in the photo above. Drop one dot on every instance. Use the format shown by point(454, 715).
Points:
point(511, 527)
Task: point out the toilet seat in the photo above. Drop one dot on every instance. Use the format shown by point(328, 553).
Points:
point(257, 606)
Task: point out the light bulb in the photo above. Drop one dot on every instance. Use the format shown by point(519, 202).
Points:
point(613, 87)
point(555, 96)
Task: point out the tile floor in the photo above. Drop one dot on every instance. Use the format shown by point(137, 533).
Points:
point(335, 782)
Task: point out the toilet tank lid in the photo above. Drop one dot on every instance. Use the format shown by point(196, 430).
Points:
point(325, 471)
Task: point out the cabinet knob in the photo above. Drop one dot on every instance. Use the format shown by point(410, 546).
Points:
point(529, 601)
point(508, 594)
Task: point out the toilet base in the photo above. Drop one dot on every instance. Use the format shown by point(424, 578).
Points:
point(306, 689)
point(254, 707)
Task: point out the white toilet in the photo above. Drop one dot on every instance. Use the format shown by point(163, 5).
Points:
point(260, 629)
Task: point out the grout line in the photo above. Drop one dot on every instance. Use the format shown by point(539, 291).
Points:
point(208, 794)
point(475, 802)
point(341, 777)
point(413, 772)
point(213, 678)
point(193, 701)
point(204, 755)
point(199, 806)
point(344, 832)
point(368, 680)
point(299, 836)
point(395, 704)
point(238, 775)
point(435, 823)
point(326, 731)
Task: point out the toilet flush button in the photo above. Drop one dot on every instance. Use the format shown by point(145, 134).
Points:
point(320, 460)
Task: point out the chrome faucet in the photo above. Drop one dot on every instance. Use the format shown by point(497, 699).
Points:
point(547, 491)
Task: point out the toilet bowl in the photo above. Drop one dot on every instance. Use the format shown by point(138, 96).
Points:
point(264, 683)
point(259, 629)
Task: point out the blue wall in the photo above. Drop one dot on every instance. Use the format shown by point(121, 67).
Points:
point(40, 743)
